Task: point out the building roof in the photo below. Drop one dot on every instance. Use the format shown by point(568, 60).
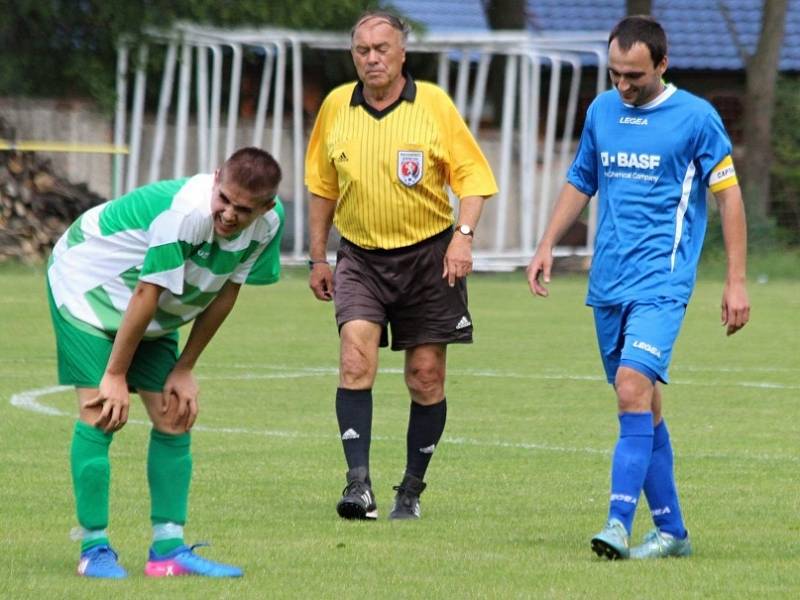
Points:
point(699, 31)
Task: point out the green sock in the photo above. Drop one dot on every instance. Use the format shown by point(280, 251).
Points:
point(92, 538)
point(91, 476)
point(167, 537)
point(169, 473)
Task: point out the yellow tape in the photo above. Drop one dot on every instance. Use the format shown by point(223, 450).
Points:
point(35, 146)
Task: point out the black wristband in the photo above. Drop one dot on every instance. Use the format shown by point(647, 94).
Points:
point(312, 262)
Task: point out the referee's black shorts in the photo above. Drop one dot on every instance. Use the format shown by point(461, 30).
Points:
point(404, 289)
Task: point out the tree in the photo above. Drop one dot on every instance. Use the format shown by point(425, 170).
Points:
point(638, 7)
point(505, 14)
point(785, 180)
point(759, 108)
point(502, 14)
point(68, 47)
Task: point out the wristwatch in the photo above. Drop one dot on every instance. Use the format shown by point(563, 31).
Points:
point(465, 230)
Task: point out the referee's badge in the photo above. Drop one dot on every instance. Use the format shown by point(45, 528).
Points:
point(409, 166)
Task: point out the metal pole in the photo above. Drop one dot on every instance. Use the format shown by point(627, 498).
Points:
point(233, 100)
point(443, 73)
point(526, 141)
point(299, 144)
point(119, 118)
point(462, 83)
point(164, 100)
point(479, 92)
point(536, 90)
point(549, 142)
point(278, 101)
point(216, 107)
point(506, 142)
point(202, 108)
point(182, 121)
point(137, 118)
point(263, 95)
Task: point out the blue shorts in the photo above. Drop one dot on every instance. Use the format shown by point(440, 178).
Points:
point(639, 335)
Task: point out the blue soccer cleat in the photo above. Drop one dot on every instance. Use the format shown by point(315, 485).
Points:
point(612, 543)
point(658, 544)
point(101, 562)
point(183, 561)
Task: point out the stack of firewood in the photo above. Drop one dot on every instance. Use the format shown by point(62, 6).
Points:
point(36, 205)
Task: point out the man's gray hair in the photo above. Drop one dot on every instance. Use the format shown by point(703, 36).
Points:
point(388, 17)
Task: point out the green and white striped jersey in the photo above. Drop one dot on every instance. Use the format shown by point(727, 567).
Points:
point(162, 233)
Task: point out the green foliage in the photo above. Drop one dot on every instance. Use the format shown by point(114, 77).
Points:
point(785, 185)
point(777, 235)
point(518, 484)
point(764, 237)
point(62, 48)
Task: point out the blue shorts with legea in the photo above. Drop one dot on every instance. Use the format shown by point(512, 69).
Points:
point(640, 335)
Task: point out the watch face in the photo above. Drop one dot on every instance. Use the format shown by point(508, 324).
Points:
point(465, 229)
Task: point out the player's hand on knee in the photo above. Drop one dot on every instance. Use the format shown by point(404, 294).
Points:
point(183, 412)
point(187, 412)
point(181, 389)
point(113, 396)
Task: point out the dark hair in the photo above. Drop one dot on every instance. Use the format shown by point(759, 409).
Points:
point(641, 29)
point(388, 17)
point(254, 169)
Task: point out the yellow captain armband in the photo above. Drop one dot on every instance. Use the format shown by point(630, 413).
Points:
point(723, 175)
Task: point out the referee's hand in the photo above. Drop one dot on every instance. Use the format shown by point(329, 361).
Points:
point(320, 280)
point(457, 259)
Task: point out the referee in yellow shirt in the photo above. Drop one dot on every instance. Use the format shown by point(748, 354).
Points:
point(379, 159)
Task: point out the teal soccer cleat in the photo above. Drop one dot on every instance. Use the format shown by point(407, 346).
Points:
point(183, 561)
point(612, 543)
point(658, 544)
point(101, 562)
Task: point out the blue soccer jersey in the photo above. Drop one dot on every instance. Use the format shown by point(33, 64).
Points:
point(650, 166)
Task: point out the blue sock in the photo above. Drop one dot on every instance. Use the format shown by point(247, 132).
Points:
point(629, 465)
point(659, 485)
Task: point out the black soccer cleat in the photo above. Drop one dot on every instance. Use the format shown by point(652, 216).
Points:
point(358, 501)
point(406, 502)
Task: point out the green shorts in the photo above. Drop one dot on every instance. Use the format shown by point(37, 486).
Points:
point(83, 354)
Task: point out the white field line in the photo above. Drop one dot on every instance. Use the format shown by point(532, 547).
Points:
point(29, 400)
point(555, 376)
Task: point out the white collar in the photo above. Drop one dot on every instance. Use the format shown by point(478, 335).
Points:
point(660, 99)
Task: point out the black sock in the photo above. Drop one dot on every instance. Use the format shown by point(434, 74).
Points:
point(425, 428)
point(354, 413)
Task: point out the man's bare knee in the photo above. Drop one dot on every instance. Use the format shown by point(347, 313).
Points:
point(356, 370)
point(425, 383)
point(634, 391)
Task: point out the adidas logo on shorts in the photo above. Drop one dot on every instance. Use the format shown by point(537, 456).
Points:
point(464, 322)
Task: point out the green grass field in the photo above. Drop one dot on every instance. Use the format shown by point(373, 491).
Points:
point(518, 485)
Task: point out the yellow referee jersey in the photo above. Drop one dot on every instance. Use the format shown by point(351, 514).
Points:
point(388, 169)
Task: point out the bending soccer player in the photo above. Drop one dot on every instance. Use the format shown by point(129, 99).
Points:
point(121, 280)
point(649, 151)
